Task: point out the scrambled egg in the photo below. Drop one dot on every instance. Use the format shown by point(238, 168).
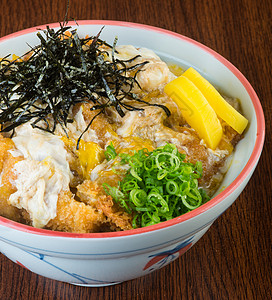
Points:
point(42, 174)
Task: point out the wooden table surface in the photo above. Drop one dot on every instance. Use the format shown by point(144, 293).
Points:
point(233, 260)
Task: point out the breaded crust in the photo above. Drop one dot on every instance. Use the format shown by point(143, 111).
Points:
point(75, 216)
point(116, 217)
point(7, 161)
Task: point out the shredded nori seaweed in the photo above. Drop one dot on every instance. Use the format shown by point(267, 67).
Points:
point(60, 72)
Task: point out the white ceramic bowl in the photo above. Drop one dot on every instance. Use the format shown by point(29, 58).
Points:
point(98, 259)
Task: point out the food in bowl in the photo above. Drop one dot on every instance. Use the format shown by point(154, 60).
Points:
point(104, 258)
point(102, 138)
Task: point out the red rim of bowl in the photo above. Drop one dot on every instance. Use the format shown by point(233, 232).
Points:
point(217, 199)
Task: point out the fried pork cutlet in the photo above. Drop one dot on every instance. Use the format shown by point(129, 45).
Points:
point(75, 216)
point(93, 194)
point(7, 161)
point(72, 215)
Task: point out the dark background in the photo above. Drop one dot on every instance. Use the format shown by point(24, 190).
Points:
point(233, 260)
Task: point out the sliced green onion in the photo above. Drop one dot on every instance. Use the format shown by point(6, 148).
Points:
point(134, 173)
point(138, 197)
point(110, 152)
point(172, 187)
point(189, 205)
point(158, 186)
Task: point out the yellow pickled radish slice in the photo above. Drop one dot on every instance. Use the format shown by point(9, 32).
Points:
point(195, 109)
point(222, 108)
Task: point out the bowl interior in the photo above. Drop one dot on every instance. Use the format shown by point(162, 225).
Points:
point(172, 47)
